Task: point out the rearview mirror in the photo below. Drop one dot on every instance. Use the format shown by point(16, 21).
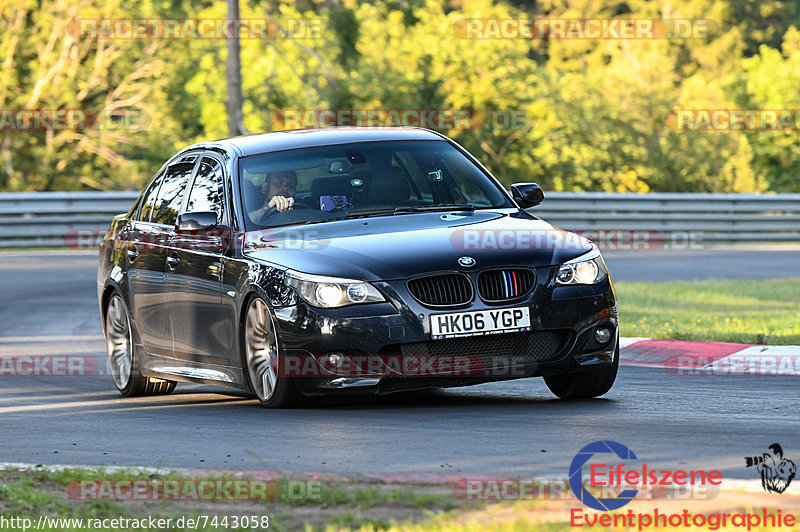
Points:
point(527, 194)
point(197, 221)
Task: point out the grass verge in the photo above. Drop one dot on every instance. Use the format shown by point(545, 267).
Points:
point(341, 507)
point(742, 311)
point(289, 504)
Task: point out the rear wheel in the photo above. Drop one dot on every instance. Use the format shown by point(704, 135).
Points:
point(586, 384)
point(262, 360)
point(123, 355)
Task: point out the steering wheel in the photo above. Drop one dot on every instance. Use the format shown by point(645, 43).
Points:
point(272, 210)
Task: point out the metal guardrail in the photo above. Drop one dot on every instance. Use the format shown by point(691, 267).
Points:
point(52, 219)
point(719, 218)
point(58, 219)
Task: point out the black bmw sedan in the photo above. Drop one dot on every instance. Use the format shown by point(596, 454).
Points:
point(358, 260)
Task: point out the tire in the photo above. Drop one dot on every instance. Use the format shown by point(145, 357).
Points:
point(124, 357)
point(261, 360)
point(585, 384)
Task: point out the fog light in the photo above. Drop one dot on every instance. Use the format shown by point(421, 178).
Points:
point(602, 335)
point(333, 360)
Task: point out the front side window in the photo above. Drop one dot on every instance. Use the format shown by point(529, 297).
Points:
point(207, 192)
point(170, 196)
point(359, 179)
point(149, 199)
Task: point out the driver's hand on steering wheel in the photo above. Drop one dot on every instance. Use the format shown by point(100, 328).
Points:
point(280, 202)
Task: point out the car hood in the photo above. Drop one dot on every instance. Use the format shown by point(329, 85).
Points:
point(402, 246)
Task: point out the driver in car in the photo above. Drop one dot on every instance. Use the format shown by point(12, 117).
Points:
point(279, 189)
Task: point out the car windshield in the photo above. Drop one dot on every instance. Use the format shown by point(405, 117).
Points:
point(318, 184)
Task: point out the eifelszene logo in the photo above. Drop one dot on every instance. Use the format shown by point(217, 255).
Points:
point(606, 477)
point(776, 471)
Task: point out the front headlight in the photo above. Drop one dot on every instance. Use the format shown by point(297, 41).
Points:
point(589, 268)
point(331, 292)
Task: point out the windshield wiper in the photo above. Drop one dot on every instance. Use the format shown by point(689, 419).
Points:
point(418, 208)
point(368, 212)
point(438, 207)
point(397, 210)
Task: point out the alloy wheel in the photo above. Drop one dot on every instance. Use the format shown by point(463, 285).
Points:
point(118, 342)
point(261, 350)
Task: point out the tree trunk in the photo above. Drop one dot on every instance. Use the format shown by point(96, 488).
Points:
point(234, 70)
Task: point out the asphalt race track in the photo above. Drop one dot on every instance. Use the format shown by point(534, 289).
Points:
point(48, 307)
point(698, 264)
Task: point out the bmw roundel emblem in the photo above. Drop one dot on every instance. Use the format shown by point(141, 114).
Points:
point(467, 262)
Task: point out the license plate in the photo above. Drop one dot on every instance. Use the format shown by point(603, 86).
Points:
point(480, 322)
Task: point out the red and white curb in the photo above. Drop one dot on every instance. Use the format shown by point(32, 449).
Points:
point(681, 357)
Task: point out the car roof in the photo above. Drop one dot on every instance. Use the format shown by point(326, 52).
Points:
point(302, 138)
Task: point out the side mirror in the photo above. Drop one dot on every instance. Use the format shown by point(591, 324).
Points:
point(196, 221)
point(527, 194)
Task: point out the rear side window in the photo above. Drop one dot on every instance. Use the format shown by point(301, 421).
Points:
point(170, 196)
point(206, 194)
point(149, 199)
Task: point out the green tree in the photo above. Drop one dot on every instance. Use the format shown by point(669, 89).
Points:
point(48, 67)
point(771, 80)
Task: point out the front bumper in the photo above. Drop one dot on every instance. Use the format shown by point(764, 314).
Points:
point(387, 347)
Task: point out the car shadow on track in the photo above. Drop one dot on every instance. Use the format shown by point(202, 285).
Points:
point(421, 399)
point(444, 399)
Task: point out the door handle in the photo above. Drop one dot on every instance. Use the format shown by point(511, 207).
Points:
point(132, 253)
point(173, 260)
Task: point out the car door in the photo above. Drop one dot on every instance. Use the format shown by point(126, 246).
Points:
point(194, 274)
point(147, 255)
point(145, 267)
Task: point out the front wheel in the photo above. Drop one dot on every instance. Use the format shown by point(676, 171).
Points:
point(586, 384)
point(262, 360)
point(123, 355)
